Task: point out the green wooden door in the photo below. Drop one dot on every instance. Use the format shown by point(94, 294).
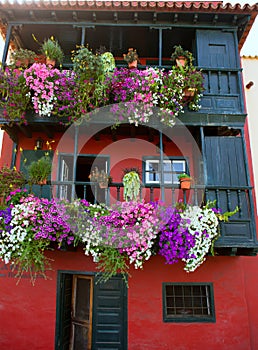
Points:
point(110, 315)
point(106, 305)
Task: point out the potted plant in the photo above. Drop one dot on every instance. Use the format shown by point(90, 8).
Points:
point(22, 57)
point(193, 82)
point(108, 62)
point(53, 51)
point(39, 170)
point(132, 184)
point(185, 181)
point(86, 64)
point(181, 57)
point(131, 58)
point(193, 87)
point(101, 177)
point(14, 95)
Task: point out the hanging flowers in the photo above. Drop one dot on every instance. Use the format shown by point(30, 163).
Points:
point(128, 233)
point(43, 82)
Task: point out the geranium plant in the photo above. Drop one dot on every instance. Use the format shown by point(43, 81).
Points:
point(22, 57)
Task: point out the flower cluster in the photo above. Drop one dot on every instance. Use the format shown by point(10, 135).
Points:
point(203, 225)
point(66, 100)
point(43, 82)
point(15, 95)
point(175, 239)
point(132, 228)
point(27, 228)
point(135, 95)
point(138, 92)
point(127, 233)
point(10, 179)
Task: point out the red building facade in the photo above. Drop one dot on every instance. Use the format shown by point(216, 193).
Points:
point(163, 306)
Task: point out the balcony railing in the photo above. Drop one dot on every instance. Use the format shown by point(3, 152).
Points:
point(222, 91)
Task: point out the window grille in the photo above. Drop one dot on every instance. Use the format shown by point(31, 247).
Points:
point(188, 302)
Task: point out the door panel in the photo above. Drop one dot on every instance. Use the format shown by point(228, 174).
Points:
point(90, 315)
point(81, 316)
point(216, 49)
point(110, 315)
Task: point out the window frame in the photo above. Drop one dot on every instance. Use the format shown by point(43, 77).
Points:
point(166, 160)
point(189, 318)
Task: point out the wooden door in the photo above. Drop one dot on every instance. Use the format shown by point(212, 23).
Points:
point(81, 313)
point(90, 315)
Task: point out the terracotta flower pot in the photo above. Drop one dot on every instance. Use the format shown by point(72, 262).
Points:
point(43, 182)
point(132, 64)
point(40, 59)
point(185, 183)
point(22, 62)
point(50, 62)
point(181, 61)
point(189, 92)
point(103, 185)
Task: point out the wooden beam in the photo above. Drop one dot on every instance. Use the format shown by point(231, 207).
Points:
point(74, 15)
point(48, 131)
point(114, 135)
point(25, 130)
point(11, 132)
point(53, 15)
point(32, 15)
point(94, 17)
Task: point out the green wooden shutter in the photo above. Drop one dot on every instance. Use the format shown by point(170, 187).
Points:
point(225, 161)
point(216, 48)
point(217, 54)
point(227, 183)
point(64, 309)
point(110, 315)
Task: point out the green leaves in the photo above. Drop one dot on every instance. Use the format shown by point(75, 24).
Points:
point(132, 184)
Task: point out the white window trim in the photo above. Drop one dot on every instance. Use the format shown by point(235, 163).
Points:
point(157, 161)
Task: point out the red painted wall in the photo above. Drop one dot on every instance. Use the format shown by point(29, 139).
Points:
point(124, 153)
point(6, 153)
point(28, 313)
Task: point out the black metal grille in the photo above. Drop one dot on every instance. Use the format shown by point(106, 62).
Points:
point(193, 302)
